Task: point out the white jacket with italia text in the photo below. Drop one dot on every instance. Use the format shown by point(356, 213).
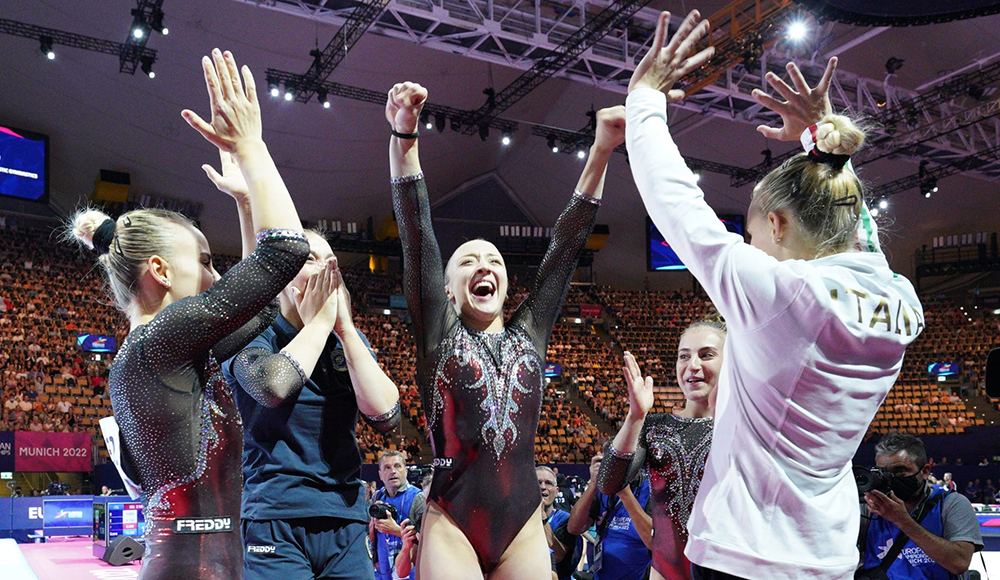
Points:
point(812, 350)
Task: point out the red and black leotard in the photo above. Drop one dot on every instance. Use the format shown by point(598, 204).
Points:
point(482, 392)
point(181, 433)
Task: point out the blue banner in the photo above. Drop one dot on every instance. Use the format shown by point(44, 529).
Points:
point(67, 513)
point(27, 513)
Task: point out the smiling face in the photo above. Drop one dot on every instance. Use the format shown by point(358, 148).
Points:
point(699, 360)
point(190, 262)
point(476, 282)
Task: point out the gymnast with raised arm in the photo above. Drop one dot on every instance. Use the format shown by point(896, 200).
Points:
point(671, 448)
point(181, 434)
point(481, 379)
point(818, 324)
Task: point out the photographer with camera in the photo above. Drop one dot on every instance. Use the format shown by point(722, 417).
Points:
point(910, 530)
point(395, 507)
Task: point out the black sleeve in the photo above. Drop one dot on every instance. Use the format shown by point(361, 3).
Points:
point(619, 469)
point(423, 272)
point(386, 421)
point(538, 313)
point(232, 344)
point(185, 330)
point(263, 374)
point(565, 538)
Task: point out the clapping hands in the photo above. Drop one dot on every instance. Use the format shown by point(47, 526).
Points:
point(319, 300)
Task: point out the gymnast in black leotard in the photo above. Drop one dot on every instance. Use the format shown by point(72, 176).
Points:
point(481, 380)
point(181, 437)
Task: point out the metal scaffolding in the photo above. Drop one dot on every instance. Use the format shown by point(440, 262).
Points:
point(940, 123)
point(73, 40)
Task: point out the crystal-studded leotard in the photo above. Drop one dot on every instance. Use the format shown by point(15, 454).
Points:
point(181, 435)
point(482, 392)
point(672, 451)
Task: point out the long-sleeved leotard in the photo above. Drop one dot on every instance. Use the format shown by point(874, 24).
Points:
point(482, 391)
point(181, 434)
point(671, 451)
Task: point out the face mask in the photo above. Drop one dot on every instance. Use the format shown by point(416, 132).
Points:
point(906, 488)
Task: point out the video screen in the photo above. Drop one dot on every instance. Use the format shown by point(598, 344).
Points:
point(660, 257)
point(67, 513)
point(96, 343)
point(24, 164)
point(943, 369)
point(125, 519)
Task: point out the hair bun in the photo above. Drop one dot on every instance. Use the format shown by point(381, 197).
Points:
point(85, 224)
point(838, 135)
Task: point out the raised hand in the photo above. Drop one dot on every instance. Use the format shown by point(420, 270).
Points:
point(403, 105)
point(318, 301)
point(235, 110)
point(640, 391)
point(665, 65)
point(610, 128)
point(803, 106)
point(345, 318)
point(410, 535)
point(595, 466)
point(231, 182)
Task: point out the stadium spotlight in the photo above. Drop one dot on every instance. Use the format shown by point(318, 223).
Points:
point(321, 97)
point(581, 154)
point(505, 140)
point(156, 22)
point(46, 47)
point(552, 143)
point(289, 91)
point(883, 203)
point(796, 30)
point(146, 64)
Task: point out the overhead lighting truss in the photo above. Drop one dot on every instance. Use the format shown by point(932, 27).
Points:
point(568, 52)
point(976, 162)
point(518, 33)
point(144, 15)
point(356, 23)
point(378, 98)
point(73, 40)
point(571, 142)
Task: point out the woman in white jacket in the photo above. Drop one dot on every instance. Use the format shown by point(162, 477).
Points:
point(818, 324)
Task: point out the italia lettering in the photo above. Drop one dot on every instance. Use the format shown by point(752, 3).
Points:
point(880, 311)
